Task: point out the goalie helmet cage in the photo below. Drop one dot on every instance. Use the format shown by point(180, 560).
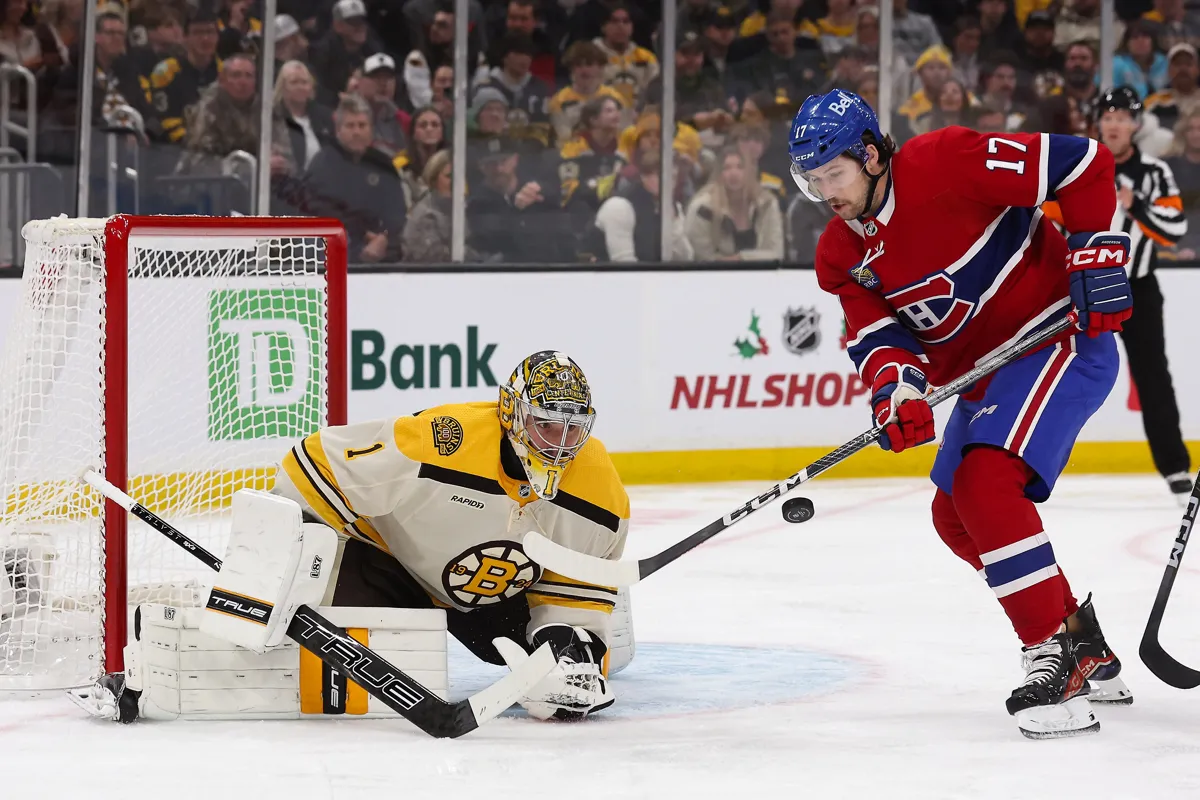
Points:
point(180, 357)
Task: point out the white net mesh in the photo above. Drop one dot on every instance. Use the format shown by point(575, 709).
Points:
point(227, 366)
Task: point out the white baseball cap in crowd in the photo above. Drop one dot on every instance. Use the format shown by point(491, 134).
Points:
point(1182, 47)
point(377, 62)
point(349, 9)
point(285, 26)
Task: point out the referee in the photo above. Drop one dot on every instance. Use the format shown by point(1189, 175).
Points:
point(1150, 210)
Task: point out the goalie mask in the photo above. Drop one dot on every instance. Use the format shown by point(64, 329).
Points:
point(546, 412)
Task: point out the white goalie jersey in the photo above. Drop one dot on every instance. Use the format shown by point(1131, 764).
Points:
point(431, 490)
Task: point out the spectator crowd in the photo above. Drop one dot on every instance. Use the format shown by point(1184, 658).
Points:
point(563, 130)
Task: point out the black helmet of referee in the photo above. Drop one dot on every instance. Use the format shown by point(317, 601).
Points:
point(1121, 98)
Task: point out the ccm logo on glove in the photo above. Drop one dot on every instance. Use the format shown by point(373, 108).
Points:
point(1115, 255)
point(1099, 285)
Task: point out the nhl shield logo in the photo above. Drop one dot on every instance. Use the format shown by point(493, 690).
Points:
point(801, 329)
point(870, 228)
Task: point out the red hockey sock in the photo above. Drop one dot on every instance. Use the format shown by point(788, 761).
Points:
point(948, 525)
point(954, 534)
point(989, 496)
point(1070, 604)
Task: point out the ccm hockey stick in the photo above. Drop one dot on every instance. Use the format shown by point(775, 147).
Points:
point(604, 572)
point(1168, 670)
point(336, 648)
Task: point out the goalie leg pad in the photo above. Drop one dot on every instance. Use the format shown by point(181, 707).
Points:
point(274, 563)
point(183, 672)
point(621, 644)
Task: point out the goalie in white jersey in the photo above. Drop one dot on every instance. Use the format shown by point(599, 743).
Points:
point(432, 508)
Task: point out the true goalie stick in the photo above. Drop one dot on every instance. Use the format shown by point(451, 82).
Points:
point(1158, 660)
point(604, 572)
point(336, 648)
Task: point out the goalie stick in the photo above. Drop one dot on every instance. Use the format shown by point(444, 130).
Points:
point(335, 647)
point(1158, 660)
point(604, 572)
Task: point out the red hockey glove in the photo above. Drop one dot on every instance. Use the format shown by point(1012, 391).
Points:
point(1099, 285)
point(899, 406)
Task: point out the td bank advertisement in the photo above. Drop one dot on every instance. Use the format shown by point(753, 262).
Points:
point(677, 360)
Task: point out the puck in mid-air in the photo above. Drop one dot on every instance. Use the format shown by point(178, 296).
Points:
point(798, 509)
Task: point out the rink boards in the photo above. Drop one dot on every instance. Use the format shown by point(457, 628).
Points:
point(698, 375)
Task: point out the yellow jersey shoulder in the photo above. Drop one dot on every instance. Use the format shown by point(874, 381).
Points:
point(574, 148)
point(1159, 98)
point(592, 478)
point(464, 437)
point(643, 56)
point(562, 99)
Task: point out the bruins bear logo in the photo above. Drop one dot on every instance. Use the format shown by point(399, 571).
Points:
point(447, 435)
point(489, 573)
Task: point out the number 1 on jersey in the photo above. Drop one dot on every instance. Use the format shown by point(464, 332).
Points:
point(995, 163)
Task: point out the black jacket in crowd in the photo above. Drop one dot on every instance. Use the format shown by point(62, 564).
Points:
point(501, 231)
point(365, 193)
point(321, 119)
point(332, 64)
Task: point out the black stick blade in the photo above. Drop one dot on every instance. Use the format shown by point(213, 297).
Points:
point(1156, 659)
point(1166, 668)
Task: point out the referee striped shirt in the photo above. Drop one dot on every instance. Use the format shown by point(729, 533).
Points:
point(1156, 216)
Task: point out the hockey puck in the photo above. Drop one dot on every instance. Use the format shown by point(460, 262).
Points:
point(798, 509)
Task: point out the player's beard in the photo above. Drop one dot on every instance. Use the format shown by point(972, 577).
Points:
point(846, 209)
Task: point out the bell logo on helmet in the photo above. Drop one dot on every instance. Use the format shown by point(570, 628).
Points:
point(842, 104)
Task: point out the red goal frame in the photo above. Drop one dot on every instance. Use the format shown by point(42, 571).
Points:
point(117, 233)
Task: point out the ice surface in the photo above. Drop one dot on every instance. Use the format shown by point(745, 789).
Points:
point(850, 656)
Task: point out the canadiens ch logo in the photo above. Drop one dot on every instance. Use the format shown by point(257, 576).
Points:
point(931, 310)
point(447, 435)
point(801, 330)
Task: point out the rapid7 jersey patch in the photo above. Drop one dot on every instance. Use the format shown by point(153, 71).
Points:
point(930, 308)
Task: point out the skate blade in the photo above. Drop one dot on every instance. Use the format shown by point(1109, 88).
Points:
point(1072, 718)
point(1111, 692)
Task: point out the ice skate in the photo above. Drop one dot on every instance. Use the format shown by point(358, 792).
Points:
point(1096, 660)
point(1048, 703)
point(1180, 485)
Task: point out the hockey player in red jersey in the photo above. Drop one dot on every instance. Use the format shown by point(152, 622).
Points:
point(940, 256)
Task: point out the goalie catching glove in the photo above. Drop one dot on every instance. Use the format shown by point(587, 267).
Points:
point(577, 686)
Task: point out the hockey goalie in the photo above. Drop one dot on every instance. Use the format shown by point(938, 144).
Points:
point(429, 512)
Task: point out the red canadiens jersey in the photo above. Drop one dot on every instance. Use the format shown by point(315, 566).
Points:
point(960, 260)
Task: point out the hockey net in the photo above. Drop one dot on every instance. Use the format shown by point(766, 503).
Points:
point(181, 358)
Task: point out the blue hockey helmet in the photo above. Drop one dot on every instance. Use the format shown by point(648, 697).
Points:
point(825, 127)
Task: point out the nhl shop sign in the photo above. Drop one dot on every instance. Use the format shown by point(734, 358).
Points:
point(265, 362)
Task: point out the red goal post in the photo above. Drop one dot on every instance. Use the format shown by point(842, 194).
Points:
point(179, 356)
